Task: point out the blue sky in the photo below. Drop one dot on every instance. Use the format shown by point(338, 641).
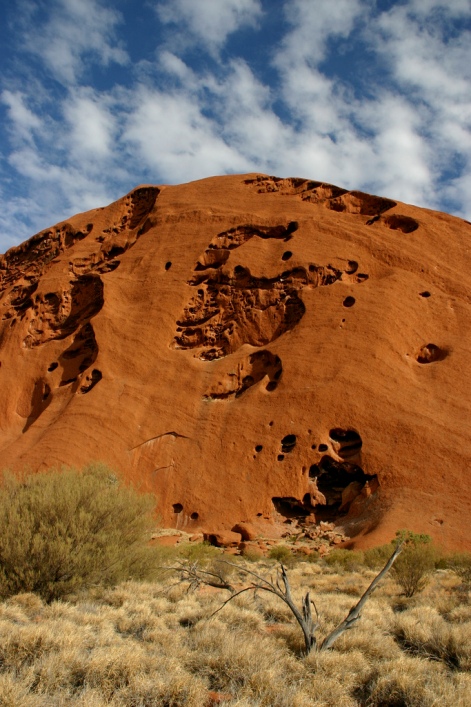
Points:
point(99, 96)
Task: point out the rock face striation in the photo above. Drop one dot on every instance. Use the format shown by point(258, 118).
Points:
point(256, 351)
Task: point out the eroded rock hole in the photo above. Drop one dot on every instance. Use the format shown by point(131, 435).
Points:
point(271, 386)
point(177, 508)
point(361, 277)
point(80, 355)
point(259, 448)
point(56, 317)
point(67, 381)
point(90, 381)
point(288, 443)
point(352, 267)
point(249, 371)
point(238, 308)
point(336, 486)
point(323, 448)
point(290, 507)
point(430, 353)
point(280, 457)
point(345, 443)
point(287, 255)
point(52, 366)
point(349, 301)
point(194, 516)
point(426, 293)
point(168, 265)
point(40, 400)
point(397, 222)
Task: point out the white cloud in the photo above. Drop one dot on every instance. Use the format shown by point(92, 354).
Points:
point(435, 74)
point(174, 122)
point(455, 8)
point(76, 33)
point(90, 125)
point(174, 138)
point(24, 121)
point(313, 23)
point(210, 22)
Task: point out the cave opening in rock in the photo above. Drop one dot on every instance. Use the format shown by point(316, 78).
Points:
point(288, 443)
point(430, 353)
point(345, 443)
point(335, 486)
point(290, 507)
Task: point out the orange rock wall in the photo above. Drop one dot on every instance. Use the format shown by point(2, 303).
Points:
point(245, 338)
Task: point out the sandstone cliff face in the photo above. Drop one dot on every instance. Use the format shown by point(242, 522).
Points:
point(250, 349)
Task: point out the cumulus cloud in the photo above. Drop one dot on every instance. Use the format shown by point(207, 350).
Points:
point(209, 22)
point(313, 24)
point(90, 125)
point(23, 122)
point(74, 33)
point(400, 126)
point(172, 136)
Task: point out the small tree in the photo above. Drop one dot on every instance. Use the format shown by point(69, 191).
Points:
point(63, 531)
point(417, 561)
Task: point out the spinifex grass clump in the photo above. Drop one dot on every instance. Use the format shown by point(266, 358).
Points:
point(64, 530)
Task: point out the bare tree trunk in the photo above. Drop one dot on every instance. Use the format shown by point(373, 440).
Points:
point(280, 587)
point(355, 612)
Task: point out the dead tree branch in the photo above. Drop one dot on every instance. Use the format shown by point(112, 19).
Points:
point(280, 587)
point(355, 612)
point(192, 573)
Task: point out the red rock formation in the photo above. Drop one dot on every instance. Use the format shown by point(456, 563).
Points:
point(253, 350)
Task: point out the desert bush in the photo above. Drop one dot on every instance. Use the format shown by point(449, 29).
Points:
point(375, 557)
point(203, 553)
point(347, 560)
point(252, 554)
point(416, 562)
point(283, 554)
point(460, 563)
point(65, 530)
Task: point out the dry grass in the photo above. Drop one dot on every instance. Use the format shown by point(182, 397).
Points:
point(143, 645)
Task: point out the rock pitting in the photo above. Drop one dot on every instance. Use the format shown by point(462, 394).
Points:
point(268, 356)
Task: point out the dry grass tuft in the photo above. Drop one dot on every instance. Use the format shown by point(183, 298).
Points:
point(143, 645)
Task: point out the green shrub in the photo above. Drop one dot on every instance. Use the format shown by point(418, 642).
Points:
point(376, 557)
point(66, 530)
point(203, 553)
point(347, 560)
point(312, 557)
point(415, 563)
point(251, 554)
point(281, 553)
point(460, 563)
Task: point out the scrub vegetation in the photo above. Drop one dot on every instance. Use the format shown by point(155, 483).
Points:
point(115, 641)
point(65, 530)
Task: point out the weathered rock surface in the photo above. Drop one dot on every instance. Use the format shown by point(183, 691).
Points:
point(274, 352)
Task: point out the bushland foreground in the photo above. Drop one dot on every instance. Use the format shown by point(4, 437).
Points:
point(156, 643)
